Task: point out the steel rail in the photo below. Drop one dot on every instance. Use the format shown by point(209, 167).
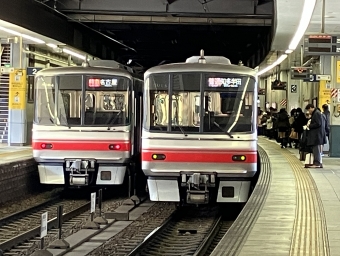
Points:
point(53, 223)
point(209, 238)
point(17, 215)
point(151, 236)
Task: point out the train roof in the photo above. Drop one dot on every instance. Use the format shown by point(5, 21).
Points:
point(83, 70)
point(209, 66)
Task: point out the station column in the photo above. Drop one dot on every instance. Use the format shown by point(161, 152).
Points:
point(335, 108)
point(17, 128)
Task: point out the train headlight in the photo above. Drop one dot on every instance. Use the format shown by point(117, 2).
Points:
point(158, 156)
point(239, 158)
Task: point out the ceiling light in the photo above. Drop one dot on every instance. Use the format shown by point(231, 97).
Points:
point(288, 51)
point(52, 45)
point(277, 62)
point(34, 39)
point(10, 31)
point(82, 57)
point(306, 16)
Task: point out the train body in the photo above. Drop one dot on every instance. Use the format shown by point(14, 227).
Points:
point(199, 139)
point(87, 124)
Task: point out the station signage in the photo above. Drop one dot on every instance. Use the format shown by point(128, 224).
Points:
point(32, 71)
point(321, 44)
point(317, 78)
point(301, 73)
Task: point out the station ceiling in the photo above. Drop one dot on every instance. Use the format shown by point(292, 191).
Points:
point(163, 31)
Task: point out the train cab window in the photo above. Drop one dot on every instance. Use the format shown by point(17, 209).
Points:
point(44, 104)
point(170, 113)
point(229, 113)
point(199, 103)
point(106, 108)
point(231, 101)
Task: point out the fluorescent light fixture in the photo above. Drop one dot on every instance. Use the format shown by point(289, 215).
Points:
point(10, 31)
point(277, 62)
point(306, 15)
point(52, 45)
point(288, 51)
point(34, 39)
point(82, 57)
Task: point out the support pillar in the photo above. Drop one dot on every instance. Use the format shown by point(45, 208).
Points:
point(17, 128)
point(335, 110)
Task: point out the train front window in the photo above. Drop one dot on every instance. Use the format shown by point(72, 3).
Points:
point(69, 99)
point(107, 101)
point(44, 105)
point(171, 109)
point(231, 101)
point(60, 100)
point(200, 103)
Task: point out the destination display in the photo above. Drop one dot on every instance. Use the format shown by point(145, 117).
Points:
point(322, 44)
point(101, 82)
point(224, 82)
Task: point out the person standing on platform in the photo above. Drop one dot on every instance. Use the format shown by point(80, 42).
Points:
point(317, 134)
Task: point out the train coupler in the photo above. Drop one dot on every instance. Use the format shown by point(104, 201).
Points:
point(79, 170)
point(197, 192)
point(197, 197)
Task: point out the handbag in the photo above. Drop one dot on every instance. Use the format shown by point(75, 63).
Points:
point(294, 135)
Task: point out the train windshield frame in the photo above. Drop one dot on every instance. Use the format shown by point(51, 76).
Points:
point(202, 102)
point(59, 100)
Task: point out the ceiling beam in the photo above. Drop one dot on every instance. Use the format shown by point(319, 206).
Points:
point(256, 20)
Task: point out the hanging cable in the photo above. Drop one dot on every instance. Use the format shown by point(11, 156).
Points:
point(106, 36)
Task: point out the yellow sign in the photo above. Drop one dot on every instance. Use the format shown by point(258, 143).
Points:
point(17, 89)
point(324, 94)
point(338, 71)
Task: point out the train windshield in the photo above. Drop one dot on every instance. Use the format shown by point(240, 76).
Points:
point(59, 100)
point(200, 103)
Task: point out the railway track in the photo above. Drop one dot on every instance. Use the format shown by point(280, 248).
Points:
point(23, 226)
point(182, 234)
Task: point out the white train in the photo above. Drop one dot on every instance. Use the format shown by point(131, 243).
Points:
point(199, 139)
point(87, 124)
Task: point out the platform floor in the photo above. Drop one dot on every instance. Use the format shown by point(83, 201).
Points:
point(301, 213)
point(9, 154)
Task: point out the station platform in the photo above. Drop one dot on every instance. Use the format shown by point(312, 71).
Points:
point(10, 154)
point(293, 211)
point(19, 173)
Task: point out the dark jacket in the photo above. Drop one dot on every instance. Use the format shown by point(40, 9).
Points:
point(327, 115)
point(283, 120)
point(299, 122)
point(317, 132)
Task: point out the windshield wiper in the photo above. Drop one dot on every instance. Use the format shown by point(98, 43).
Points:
point(114, 119)
point(228, 133)
point(181, 129)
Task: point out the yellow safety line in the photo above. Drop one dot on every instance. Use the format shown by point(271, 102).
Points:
point(310, 230)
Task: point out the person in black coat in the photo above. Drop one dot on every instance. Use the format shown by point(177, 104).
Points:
point(299, 123)
point(283, 126)
point(316, 135)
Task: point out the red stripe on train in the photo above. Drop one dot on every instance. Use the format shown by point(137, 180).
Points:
point(195, 156)
point(84, 145)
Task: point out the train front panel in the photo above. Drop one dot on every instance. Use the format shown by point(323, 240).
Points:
point(84, 125)
point(199, 132)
